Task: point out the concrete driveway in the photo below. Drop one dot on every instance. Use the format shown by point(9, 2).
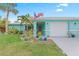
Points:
point(70, 46)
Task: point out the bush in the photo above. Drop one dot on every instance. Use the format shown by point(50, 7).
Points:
point(20, 32)
point(14, 31)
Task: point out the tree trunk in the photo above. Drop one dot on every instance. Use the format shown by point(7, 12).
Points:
point(6, 26)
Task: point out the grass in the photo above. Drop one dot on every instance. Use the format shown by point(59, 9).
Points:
point(11, 45)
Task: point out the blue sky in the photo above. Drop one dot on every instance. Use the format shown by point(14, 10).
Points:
point(48, 9)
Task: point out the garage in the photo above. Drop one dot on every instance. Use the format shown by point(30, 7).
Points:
point(58, 29)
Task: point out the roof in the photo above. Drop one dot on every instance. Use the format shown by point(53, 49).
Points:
point(56, 18)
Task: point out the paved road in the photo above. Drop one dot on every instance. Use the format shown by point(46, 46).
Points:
point(70, 46)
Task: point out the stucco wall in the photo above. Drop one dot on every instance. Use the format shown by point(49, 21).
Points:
point(74, 28)
point(20, 27)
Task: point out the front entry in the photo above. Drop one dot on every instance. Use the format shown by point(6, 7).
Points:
point(40, 30)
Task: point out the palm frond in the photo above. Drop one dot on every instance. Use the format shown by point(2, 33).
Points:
point(11, 5)
point(15, 11)
point(3, 8)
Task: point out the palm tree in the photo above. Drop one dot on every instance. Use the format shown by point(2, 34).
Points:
point(28, 18)
point(25, 19)
point(22, 19)
point(8, 7)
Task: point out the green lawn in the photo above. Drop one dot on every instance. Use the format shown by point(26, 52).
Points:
point(11, 45)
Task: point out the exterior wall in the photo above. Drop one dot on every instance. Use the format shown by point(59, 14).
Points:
point(74, 28)
point(20, 27)
point(74, 25)
point(48, 29)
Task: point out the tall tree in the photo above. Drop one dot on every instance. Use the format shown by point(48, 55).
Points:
point(8, 7)
point(25, 19)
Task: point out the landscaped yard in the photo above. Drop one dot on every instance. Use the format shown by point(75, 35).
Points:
point(12, 45)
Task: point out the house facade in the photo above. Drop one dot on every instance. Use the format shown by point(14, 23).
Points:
point(56, 26)
point(18, 26)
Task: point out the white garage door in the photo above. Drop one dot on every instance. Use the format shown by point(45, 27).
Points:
point(58, 29)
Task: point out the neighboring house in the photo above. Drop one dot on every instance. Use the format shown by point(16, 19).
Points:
point(56, 26)
point(18, 26)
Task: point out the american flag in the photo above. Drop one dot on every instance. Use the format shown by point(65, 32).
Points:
point(38, 15)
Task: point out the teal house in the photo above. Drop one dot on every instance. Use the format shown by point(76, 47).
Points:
point(56, 27)
point(18, 26)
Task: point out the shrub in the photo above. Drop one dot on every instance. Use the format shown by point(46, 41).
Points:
point(14, 31)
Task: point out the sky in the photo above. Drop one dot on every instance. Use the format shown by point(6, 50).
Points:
point(48, 9)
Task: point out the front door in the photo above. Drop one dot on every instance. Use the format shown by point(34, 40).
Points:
point(40, 29)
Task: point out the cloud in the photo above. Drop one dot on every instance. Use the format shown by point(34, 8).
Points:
point(59, 10)
point(62, 5)
point(59, 7)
